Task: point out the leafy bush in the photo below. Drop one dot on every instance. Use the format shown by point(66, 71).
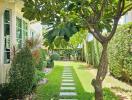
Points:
point(109, 95)
point(39, 75)
point(40, 62)
point(5, 92)
point(120, 55)
point(22, 73)
point(55, 56)
point(50, 63)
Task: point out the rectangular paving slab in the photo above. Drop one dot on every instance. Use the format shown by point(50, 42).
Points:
point(67, 71)
point(70, 94)
point(67, 80)
point(68, 88)
point(68, 84)
point(66, 75)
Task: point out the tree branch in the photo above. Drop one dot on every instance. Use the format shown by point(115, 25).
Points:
point(120, 8)
point(96, 30)
point(127, 8)
point(95, 34)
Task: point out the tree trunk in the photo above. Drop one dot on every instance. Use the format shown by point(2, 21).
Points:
point(101, 73)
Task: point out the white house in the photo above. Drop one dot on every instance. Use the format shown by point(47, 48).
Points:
point(126, 18)
point(14, 29)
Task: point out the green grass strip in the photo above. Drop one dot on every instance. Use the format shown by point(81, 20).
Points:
point(50, 91)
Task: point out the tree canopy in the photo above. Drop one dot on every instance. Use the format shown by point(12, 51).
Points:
point(65, 15)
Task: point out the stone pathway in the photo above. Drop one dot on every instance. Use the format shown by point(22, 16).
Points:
point(67, 89)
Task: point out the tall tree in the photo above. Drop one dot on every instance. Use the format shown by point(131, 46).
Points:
point(65, 17)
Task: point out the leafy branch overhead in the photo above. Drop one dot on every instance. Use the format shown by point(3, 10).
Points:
point(65, 15)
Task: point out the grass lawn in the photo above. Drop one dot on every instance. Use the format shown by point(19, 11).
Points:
point(84, 89)
point(86, 74)
point(52, 88)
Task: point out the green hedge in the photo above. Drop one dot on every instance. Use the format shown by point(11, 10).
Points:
point(120, 57)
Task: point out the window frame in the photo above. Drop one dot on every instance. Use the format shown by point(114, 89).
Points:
point(7, 38)
point(23, 31)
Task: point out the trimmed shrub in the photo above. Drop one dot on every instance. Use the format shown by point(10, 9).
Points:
point(5, 92)
point(22, 73)
point(55, 56)
point(39, 75)
point(120, 56)
point(50, 63)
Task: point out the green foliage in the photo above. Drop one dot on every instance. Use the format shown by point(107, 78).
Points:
point(120, 55)
point(63, 17)
point(78, 38)
point(39, 75)
point(55, 56)
point(109, 95)
point(22, 73)
point(42, 60)
point(59, 35)
point(5, 92)
point(91, 52)
point(43, 54)
point(50, 63)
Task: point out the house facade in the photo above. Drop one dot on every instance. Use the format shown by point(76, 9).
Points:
point(14, 30)
point(126, 18)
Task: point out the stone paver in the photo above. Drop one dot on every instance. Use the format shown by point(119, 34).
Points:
point(68, 94)
point(68, 88)
point(66, 75)
point(67, 84)
point(67, 80)
point(67, 71)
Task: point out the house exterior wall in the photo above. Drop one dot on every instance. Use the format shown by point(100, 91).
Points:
point(15, 9)
point(126, 18)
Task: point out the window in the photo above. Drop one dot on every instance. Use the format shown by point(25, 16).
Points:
point(6, 37)
point(25, 31)
point(21, 32)
point(32, 34)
